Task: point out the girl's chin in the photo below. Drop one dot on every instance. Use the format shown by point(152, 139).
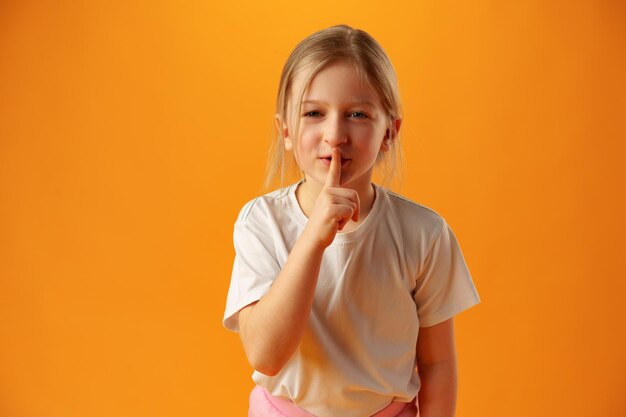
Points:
point(320, 180)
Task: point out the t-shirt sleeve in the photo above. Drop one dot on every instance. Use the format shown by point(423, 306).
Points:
point(444, 285)
point(254, 270)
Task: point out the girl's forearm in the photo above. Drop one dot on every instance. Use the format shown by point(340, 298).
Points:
point(272, 328)
point(437, 395)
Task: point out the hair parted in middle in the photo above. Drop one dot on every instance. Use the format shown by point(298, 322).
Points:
point(337, 43)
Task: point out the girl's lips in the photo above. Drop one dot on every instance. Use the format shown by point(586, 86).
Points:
point(326, 160)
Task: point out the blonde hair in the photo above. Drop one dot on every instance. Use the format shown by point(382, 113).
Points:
point(337, 43)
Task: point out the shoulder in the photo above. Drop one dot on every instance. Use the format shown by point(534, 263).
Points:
point(260, 208)
point(411, 215)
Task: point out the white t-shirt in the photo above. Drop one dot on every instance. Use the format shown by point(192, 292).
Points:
point(402, 268)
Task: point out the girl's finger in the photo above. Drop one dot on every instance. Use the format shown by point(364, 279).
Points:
point(334, 173)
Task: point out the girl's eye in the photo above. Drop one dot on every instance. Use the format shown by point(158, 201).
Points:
point(358, 115)
point(313, 113)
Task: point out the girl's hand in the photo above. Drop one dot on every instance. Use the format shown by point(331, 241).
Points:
point(334, 207)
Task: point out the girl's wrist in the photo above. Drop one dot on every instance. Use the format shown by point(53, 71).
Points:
point(310, 240)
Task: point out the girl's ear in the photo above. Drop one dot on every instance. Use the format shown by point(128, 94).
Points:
point(281, 127)
point(390, 135)
point(396, 126)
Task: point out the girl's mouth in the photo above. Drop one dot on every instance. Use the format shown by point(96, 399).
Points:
point(327, 159)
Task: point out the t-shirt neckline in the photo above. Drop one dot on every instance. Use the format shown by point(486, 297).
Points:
point(340, 237)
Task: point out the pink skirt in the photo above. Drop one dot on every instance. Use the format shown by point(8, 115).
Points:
point(264, 404)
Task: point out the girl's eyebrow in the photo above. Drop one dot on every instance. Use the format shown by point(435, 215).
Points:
point(353, 103)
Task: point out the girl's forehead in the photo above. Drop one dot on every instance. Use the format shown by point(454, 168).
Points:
point(338, 81)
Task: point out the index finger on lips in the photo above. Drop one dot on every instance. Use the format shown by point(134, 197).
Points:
point(334, 173)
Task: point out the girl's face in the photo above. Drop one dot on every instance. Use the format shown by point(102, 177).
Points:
point(338, 110)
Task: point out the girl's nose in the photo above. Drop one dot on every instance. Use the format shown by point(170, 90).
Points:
point(335, 132)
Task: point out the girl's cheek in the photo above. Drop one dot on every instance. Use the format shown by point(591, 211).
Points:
point(362, 133)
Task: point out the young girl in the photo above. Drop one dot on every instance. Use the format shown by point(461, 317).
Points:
point(335, 276)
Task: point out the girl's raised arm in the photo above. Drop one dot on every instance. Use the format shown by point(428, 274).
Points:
point(272, 327)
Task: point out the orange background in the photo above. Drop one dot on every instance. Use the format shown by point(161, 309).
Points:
point(131, 133)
